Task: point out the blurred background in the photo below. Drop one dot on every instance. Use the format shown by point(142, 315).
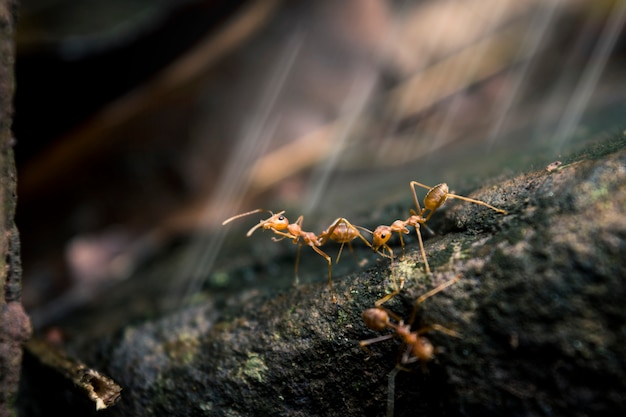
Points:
point(141, 123)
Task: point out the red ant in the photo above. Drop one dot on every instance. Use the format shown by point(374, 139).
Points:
point(437, 195)
point(383, 233)
point(341, 231)
point(417, 347)
point(435, 198)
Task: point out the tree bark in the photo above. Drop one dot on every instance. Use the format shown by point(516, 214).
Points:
point(538, 315)
point(14, 323)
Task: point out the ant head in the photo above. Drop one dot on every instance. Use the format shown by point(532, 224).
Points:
point(380, 236)
point(278, 221)
point(375, 318)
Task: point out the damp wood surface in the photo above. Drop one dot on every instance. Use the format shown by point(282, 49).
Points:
point(539, 311)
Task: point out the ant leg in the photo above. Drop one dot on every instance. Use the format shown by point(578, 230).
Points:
point(482, 203)
point(389, 296)
point(350, 247)
point(431, 231)
point(422, 251)
point(419, 184)
point(339, 254)
point(384, 255)
point(397, 288)
point(391, 389)
point(435, 290)
point(283, 234)
point(430, 293)
point(361, 236)
point(364, 343)
point(439, 328)
point(420, 212)
point(401, 244)
point(296, 280)
point(330, 268)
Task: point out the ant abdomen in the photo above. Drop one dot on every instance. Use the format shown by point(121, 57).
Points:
point(436, 196)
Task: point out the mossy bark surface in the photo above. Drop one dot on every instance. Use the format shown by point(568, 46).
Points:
point(539, 313)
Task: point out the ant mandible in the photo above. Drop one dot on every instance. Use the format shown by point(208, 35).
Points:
point(341, 231)
point(418, 347)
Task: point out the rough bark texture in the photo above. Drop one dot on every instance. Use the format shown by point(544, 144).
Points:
point(14, 323)
point(539, 309)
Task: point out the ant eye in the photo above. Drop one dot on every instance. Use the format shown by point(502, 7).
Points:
point(383, 235)
point(281, 218)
